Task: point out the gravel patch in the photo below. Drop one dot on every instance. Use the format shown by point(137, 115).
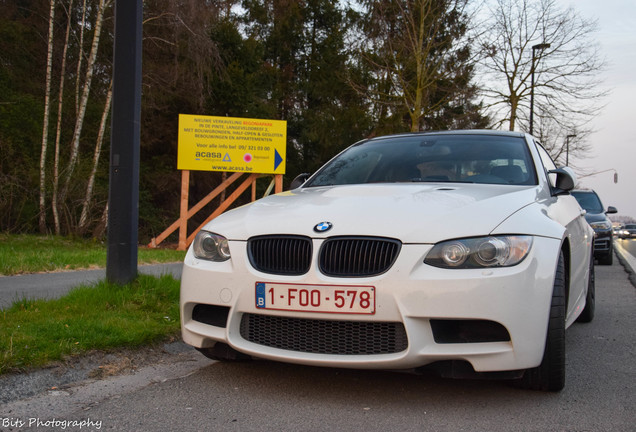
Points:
point(96, 365)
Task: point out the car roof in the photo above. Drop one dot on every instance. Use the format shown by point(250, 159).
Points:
point(453, 132)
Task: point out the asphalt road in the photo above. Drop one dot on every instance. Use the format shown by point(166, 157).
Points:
point(184, 391)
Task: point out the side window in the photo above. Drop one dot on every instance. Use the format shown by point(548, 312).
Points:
point(548, 163)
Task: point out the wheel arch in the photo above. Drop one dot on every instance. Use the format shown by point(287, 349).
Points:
point(565, 248)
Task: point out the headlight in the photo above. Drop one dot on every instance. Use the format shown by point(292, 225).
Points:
point(604, 225)
point(500, 251)
point(210, 246)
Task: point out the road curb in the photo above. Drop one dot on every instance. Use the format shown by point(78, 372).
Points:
point(627, 260)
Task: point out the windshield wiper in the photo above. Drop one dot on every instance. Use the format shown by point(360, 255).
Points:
point(437, 180)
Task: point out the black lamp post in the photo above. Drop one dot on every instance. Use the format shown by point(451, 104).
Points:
point(123, 187)
point(567, 149)
point(541, 46)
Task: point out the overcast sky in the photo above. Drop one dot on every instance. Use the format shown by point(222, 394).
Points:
point(614, 143)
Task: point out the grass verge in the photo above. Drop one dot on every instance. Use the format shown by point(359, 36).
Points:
point(24, 253)
point(96, 317)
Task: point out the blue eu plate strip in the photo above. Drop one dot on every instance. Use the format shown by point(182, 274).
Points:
point(260, 295)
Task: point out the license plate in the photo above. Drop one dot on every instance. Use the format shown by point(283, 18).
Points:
point(316, 298)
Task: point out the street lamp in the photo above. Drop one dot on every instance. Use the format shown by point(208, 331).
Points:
point(541, 46)
point(567, 149)
point(600, 172)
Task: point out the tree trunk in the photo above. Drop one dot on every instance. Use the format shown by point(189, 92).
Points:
point(83, 222)
point(101, 227)
point(56, 162)
point(84, 99)
point(80, 58)
point(45, 126)
point(514, 104)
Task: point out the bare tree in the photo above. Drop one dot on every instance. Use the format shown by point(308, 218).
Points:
point(179, 49)
point(83, 221)
point(79, 123)
point(45, 127)
point(565, 62)
point(58, 133)
point(80, 58)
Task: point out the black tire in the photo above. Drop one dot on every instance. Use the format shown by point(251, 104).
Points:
point(223, 352)
point(590, 299)
point(607, 259)
point(550, 374)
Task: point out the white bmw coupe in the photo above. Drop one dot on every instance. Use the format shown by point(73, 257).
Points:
point(459, 251)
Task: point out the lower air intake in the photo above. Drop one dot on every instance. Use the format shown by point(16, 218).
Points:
point(324, 336)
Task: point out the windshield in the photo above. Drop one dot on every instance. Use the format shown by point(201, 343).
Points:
point(589, 201)
point(459, 158)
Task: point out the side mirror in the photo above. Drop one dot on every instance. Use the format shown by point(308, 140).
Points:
point(299, 181)
point(565, 180)
point(611, 210)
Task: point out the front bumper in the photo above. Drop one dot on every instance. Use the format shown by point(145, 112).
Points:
point(602, 243)
point(436, 307)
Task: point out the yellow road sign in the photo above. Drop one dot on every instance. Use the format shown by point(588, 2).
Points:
point(208, 143)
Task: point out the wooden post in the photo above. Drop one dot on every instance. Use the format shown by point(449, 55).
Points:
point(183, 214)
point(278, 188)
point(195, 208)
point(224, 206)
point(186, 213)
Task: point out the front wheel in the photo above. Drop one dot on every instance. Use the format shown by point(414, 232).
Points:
point(607, 259)
point(550, 374)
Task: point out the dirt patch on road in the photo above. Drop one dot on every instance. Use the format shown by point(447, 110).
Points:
point(94, 365)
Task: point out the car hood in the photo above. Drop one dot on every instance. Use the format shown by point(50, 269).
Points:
point(595, 217)
point(412, 213)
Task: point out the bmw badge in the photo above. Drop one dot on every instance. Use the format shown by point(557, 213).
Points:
point(323, 226)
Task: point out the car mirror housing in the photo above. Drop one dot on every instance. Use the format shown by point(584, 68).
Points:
point(565, 180)
point(299, 180)
point(611, 210)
